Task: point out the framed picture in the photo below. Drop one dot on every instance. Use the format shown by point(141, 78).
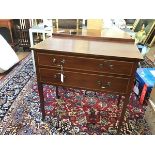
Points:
point(150, 34)
point(145, 31)
point(137, 25)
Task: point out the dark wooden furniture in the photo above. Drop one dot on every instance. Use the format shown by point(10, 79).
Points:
point(7, 31)
point(22, 32)
point(67, 23)
point(106, 66)
point(8, 24)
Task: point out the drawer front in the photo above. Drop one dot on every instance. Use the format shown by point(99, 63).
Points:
point(87, 64)
point(85, 81)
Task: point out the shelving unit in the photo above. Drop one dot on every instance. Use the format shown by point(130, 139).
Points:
point(22, 27)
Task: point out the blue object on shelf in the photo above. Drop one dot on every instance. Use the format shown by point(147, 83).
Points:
point(145, 76)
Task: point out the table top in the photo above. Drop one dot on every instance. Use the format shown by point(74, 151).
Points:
point(110, 34)
point(90, 47)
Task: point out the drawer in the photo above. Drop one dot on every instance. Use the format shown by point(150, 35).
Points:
point(87, 64)
point(85, 81)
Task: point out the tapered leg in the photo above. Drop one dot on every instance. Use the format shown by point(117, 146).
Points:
point(119, 99)
point(125, 103)
point(57, 92)
point(41, 95)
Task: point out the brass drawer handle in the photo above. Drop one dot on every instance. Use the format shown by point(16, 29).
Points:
point(99, 83)
point(101, 65)
point(106, 85)
point(111, 66)
point(62, 61)
point(103, 86)
point(108, 64)
point(57, 75)
point(59, 64)
point(54, 60)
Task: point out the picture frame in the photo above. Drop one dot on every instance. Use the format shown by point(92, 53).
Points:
point(137, 25)
point(150, 37)
point(149, 29)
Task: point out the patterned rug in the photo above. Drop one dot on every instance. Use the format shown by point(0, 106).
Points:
point(78, 112)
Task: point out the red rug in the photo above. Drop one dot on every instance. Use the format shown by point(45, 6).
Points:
point(78, 112)
point(93, 112)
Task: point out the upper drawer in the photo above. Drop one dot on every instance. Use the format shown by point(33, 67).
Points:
point(87, 64)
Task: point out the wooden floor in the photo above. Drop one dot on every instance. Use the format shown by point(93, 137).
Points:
point(21, 55)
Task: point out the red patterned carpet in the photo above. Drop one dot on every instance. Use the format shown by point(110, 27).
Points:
point(78, 112)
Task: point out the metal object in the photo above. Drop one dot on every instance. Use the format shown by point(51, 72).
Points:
point(103, 86)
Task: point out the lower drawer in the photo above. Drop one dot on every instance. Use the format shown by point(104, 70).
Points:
point(85, 81)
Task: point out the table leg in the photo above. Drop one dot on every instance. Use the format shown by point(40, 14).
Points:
point(41, 95)
point(57, 92)
point(119, 99)
point(125, 103)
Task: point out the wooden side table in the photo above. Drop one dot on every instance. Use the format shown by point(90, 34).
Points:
point(85, 64)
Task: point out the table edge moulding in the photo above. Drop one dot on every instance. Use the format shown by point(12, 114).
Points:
point(106, 66)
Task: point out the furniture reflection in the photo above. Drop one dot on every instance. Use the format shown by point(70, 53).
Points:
point(68, 23)
point(106, 66)
point(112, 34)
